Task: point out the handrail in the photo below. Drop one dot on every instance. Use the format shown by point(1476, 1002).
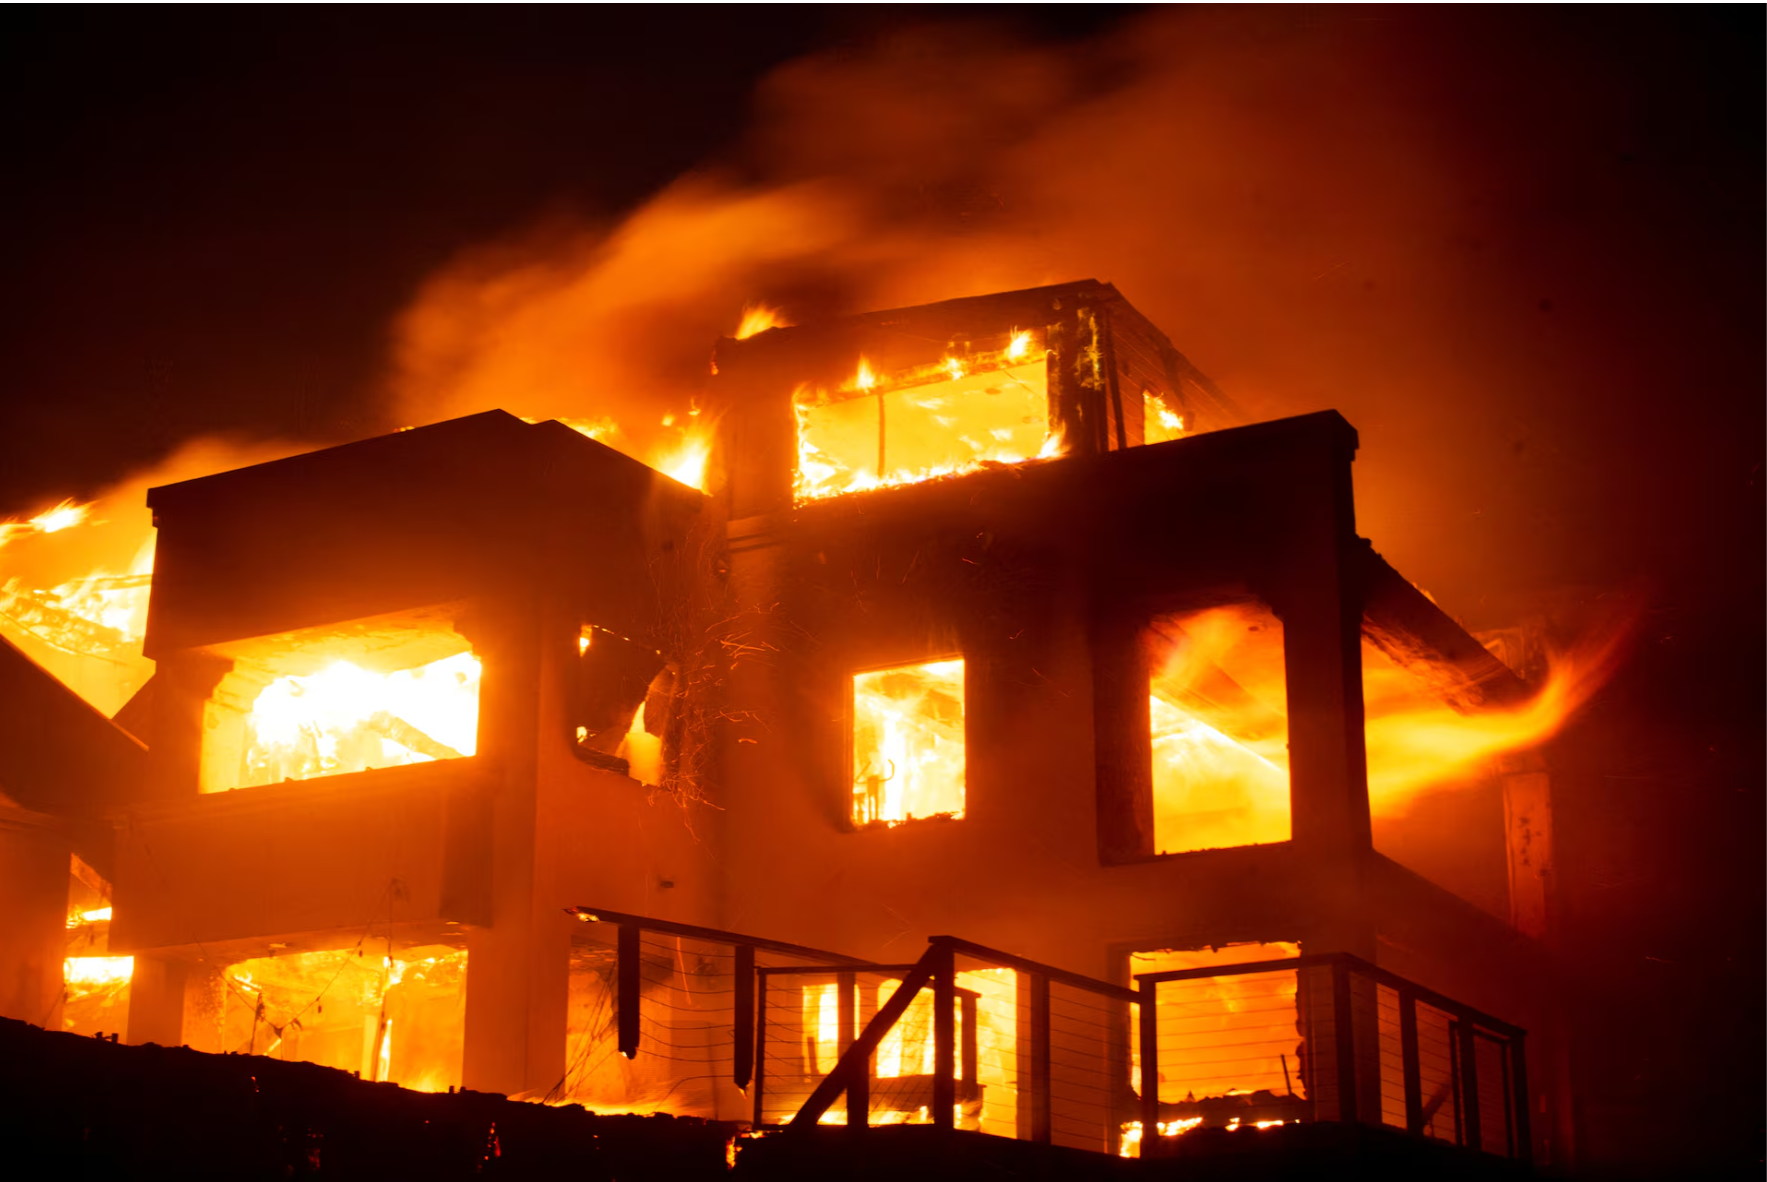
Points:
point(1026, 965)
point(788, 969)
point(711, 935)
point(937, 967)
point(744, 975)
point(1317, 960)
point(1463, 1075)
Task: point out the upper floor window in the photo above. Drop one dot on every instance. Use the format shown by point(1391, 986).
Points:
point(1219, 727)
point(908, 743)
point(989, 405)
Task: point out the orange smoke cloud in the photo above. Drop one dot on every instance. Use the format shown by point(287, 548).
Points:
point(1274, 192)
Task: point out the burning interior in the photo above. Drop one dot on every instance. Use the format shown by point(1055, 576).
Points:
point(908, 743)
point(928, 574)
point(380, 693)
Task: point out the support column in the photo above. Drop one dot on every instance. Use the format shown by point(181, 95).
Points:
point(517, 981)
point(156, 1001)
point(1121, 744)
point(223, 727)
point(182, 684)
point(1317, 592)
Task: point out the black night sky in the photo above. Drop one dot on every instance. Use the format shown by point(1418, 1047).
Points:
point(1520, 249)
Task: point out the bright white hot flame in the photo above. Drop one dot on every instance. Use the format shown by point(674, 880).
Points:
point(93, 971)
point(908, 743)
point(61, 517)
point(346, 718)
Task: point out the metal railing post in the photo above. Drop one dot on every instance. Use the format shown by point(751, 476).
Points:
point(1150, 1066)
point(627, 971)
point(1413, 1063)
point(743, 1005)
point(1343, 1039)
point(760, 1050)
point(969, 1047)
point(1042, 1124)
point(1518, 1071)
point(859, 1082)
point(1469, 1084)
point(944, 1038)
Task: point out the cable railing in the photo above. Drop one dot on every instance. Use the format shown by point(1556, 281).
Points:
point(971, 1038)
point(1325, 1038)
point(968, 1038)
point(660, 1015)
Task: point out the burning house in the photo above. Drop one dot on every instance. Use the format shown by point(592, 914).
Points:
point(470, 750)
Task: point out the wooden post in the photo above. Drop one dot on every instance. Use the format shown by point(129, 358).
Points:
point(944, 1039)
point(743, 1007)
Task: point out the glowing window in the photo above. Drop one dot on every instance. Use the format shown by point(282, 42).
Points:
point(397, 1015)
point(1218, 709)
point(367, 694)
point(1159, 422)
point(345, 718)
point(936, 420)
point(95, 995)
point(908, 743)
point(1232, 1048)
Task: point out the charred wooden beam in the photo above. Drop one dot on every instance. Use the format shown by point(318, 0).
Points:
point(1404, 624)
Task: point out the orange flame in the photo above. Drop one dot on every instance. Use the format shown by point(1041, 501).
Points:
point(1220, 726)
point(956, 415)
point(757, 319)
point(54, 520)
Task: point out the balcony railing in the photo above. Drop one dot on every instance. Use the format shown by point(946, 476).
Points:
point(973, 1039)
point(1408, 1058)
point(976, 1039)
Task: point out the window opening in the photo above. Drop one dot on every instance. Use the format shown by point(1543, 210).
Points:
point(1219, 728)
point(392, 1014)
point(908, 743)
point(1233, 1050)
point(974, 407)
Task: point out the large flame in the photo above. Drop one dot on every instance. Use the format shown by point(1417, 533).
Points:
point(49, 521)
point(345, 718)
point(74, 578)
point(961, 414)
point(680, 452)
point(1220, 727)
point(757, 319)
